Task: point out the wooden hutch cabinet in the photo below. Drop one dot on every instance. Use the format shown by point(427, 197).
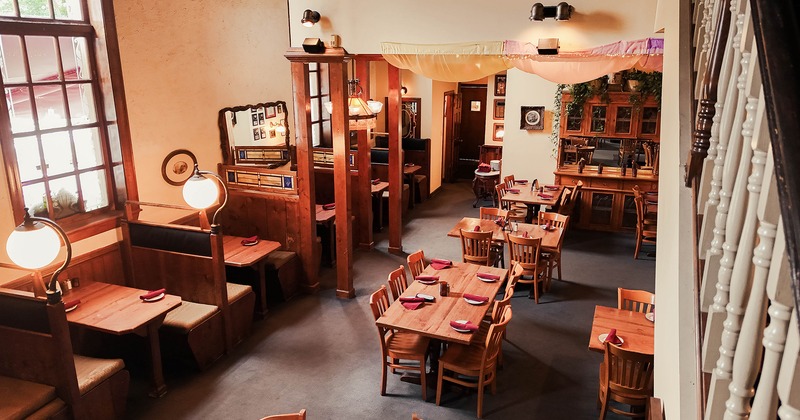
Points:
point(608, 132)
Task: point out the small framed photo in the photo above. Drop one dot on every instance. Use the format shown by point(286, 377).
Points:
point(260, 117)
point(279, 109)
point(499, 85)
point(498, 132)
point(255, 118)
point(271, 113)
point(532, 118)
point(263, 133)
point(475, 106)
point(256, 134)
point(499, 109)
point(272, 133)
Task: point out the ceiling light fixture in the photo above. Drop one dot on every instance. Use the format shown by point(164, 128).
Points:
point(310, 17)
point(362, 113)
point(561, 11)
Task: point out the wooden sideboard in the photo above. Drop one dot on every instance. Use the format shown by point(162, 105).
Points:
point(607, 199)
point(614, 117)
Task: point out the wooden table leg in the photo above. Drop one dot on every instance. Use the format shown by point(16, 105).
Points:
point(159, 387)
point(379, 219)
point(411, 190)
point(262, 279)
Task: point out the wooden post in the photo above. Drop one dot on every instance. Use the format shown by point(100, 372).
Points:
point(395, 164)
point(341, 180)
point(364, 187)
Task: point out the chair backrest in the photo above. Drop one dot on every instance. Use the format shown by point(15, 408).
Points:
point(379, 303)
point(500, 189)
point(398, 282)
point(500, 305)
point(639, 202)
point(627, 372)
point(293, 416)
point(555, 219)
point(492, 213)
point(636, 300)
point(475, 246)
point(524, 251)
point(566, 197)
point(508, 181)
point(516, 272)
point(493, 339)
point(416, 263)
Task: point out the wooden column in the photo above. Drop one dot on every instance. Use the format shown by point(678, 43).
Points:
point(341, 180)
point(395, 163)
point(307, 217)
point(364, 187)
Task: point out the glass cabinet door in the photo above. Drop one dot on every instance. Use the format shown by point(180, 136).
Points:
point(602, 207)
point(574, 120)
point(624, 120)
point(649, 122)
point(629, 212)
point(598, 121)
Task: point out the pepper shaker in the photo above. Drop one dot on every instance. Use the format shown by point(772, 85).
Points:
point(443, 288)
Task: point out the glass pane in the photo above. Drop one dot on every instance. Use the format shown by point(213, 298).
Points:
point(57, 153)
point(42, 58)
point(28, 159)
point(624, 112)
point(650, 113)
point(34, 8)
point(35, 199)
point(81, 104)
point(12, 62)
point(64, 192)
point(19, 103)
point(601, 208)
point(74, 58)
point(323, 77)
point(50, 106)
point(623, 126)
point(87, 147)
point(7, 8)
point(315, 109)
point(316, 135)
point(68, 9)
point(313, 86)
point(114, 143)
point(327, 137)
point(93, 187)
point(648, 127)
point(629, 212)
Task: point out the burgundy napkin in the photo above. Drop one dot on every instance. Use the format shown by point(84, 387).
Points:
point(477, 228)
point(464, 326)
point(376, 181)
point(525, 234)
point(484, 168)
point(488, 276)
point(329, 206)
point(520, 181)
point(439, 266)
point(513, 190)
point(154, 293)
point(423, 277)
point(551, 187)
point(478, 298)
point(250, 241)
point(441, 261)
point(548, 226)
point(412, 305)
point(500, 222)
point(612, 337)
point(71, 304)
point(411, 299)
point(544, 195)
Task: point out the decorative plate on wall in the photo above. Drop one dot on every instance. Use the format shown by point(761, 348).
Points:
point(532, 118)
point(178, 166)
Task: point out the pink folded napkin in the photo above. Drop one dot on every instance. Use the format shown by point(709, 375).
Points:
point(329, 206)
point(520, 181)
point(71, 303)
point(525, 234)
point(548, 226)
point(423, 277)
point(464, 325)
point(478, 298)
point(411, 299)
point(376, 181)
point(551, 187)
point(477, 228)
point(488, 276)
point(441, 261)
point(412, 305)
point(154, 293)
point(250, 241)
point(440, 266)
point(612, 337)
point(513, 190)
point(500, 221)
point(544, 195)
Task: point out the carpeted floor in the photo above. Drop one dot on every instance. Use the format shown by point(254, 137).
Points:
point(322, 353)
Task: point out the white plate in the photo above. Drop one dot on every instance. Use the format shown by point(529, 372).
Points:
point(485, 280)
point(544, 227)
point(475, 302)
point(155, 298)
point(250, 243)
point(461, 321)
point(428, 281)
point(72, 308)
point(602, 338)
point(650, 316)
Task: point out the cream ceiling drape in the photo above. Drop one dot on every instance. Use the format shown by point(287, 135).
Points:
point(447, 62)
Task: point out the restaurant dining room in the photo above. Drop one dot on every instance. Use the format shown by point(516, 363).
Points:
point(263, 209)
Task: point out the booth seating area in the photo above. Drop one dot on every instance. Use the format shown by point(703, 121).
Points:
point(416, 152)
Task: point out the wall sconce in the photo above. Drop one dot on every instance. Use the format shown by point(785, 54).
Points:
point(201, 192)
point(280, 126)
point(34, 244)
point(310, 17)
point(403, 90)
point(561, 11)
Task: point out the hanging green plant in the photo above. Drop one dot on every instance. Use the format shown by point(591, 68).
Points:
point(554, 135)
point(646, 85)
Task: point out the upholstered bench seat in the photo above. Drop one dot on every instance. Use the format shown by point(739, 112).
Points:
point(91, 371)
point(23, 400)
point(187, 316)
point(236, 291)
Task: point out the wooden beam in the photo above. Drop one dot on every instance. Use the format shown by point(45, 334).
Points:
point(340, 131)
point(364, 187)
point(395, 163)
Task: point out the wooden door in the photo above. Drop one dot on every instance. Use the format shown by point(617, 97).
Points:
point(473, 129)
point(451, 127)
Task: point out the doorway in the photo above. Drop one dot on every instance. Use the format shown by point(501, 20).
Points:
point(466, 154)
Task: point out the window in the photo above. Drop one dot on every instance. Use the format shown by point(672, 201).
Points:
point(319, 94)
point(59, 142)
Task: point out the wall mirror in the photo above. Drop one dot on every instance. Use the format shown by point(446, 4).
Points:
point(410, 117)
point(255, 134)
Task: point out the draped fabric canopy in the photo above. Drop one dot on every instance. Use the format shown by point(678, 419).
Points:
point(471, 61)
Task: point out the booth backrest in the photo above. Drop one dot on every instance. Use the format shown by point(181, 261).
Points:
point(416, 151)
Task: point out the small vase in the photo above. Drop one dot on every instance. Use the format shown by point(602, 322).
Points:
point(599, 168)
point(581, 165)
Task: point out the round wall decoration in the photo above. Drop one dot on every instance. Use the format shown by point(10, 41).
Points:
point(532, 118)
point(178, 166)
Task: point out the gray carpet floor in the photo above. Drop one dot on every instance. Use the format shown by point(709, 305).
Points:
point(322, 353)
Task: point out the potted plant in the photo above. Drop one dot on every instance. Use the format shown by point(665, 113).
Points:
point(643, 85)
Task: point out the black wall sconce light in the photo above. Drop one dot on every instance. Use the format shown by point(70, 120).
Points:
point(561, 11)
point(310, 17)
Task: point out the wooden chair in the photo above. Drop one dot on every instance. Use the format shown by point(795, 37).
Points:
point(416, 263)
point(636, 300)
point(626, 147)
point(525, 252)
point(626, 377)
point(645, 232)
point(477, 361)
point(476, 247)
point(398, 345)
point(650, 200)
point(293, 416)
point(492, 213)
point(553, 255)
point(514, 214)
point(398, 283)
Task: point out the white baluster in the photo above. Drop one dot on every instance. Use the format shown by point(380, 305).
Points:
point(789, 378)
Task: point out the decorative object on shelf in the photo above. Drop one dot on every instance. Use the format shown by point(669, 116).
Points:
point(310, 17)
point(532, 118)
point(313, 46)
point(498, 132)
point(599, 168)
point(634, 166)
point(177, 166)
point(499, 109)
point(645, 85)
point(561, 11)
point(499, 85)
point(201, 192)
point(581, 165)
point(34, 244)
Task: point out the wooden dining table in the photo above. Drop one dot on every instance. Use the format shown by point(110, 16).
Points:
point(377, 194)
point(532, 199)
point(550, 238)
point(433, 319)
point(633, 328)
point(118, 310)
point(409, 170)
point(254, 256)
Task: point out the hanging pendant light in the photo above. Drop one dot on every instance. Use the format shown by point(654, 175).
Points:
point(362, 113)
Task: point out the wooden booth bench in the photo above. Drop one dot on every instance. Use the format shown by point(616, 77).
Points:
point(418, 152)
point(380, 170)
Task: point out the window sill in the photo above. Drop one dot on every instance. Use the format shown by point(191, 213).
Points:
point(86, 225)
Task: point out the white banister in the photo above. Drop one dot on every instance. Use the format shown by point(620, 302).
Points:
point(789, 377)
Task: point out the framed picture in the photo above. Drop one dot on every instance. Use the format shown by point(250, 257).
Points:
point(532, 118)
point(499, 85)
point(475, 106)
point(498, 132)
point(177, 166)
point(256, 134)
point(271, 113)
point(254, 114)
point(499, 109)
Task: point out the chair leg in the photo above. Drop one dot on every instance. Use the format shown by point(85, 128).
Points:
point(423, 378)
point(638, 245)
point(480, 396)
point(558, 261)
point(439, 383)
point(536, 291)
point(383, 376)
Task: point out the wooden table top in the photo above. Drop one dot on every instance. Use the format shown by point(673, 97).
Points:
point(433, 319)
point(325, 216)
point(238, 255)
point(410, 169)
point(532, 197)
point(380, 187)
point(115, 309)
point(632, 327)
point(550, 239)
